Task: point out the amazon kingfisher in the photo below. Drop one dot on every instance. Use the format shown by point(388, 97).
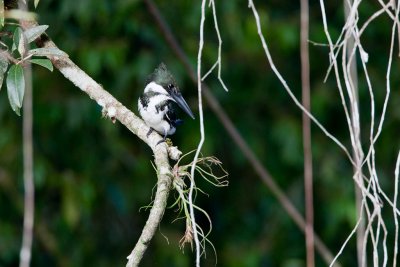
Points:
point(157, 104)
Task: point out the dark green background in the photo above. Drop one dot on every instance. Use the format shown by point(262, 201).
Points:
point(93, 176)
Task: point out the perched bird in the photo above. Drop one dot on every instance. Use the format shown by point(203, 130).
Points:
point(157, 104)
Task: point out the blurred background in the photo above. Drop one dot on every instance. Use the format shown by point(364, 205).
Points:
point(93, 176)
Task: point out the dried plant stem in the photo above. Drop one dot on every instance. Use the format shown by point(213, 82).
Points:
point(29, 185)
point(396, 221)
point(202, 137)
point(308, 169)
point(219, 59)
point(353, 81)
point(370, 192)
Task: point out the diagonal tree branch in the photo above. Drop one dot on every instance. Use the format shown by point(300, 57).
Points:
point(114, 110)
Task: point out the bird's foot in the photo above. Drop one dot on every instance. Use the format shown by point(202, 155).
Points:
point(169, 142)
point(149, 132)
point(161, 141)
point(166, 140)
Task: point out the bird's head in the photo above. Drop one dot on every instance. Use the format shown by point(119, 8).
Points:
point(162, 77)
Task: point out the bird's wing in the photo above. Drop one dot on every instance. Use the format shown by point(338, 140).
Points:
point(171, 116)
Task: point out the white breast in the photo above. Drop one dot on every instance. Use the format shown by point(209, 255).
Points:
point(155, 118)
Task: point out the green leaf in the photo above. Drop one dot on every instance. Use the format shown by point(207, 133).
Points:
point(16, 87)
point(19, 41)
point(33, 33)
point(15, 40)
point(36, 3)
point(3, 68)
point(54, 52)
point(44, 62)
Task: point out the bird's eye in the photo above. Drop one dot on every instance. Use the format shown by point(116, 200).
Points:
point(170, 86)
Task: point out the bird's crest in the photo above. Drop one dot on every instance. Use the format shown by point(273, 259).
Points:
point(161, 76)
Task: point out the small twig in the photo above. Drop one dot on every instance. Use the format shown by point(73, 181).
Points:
point(29, 197)
point(202, 136)
point(396, 222)
point(209, 71)
point(29, 185)
point(351, 74)
point(8, 56)
point(219, 60)
point(308, 167)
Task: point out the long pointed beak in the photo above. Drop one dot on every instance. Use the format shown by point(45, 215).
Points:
point(182, 103)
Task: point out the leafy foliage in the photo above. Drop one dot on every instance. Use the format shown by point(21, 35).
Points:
point(15, 76)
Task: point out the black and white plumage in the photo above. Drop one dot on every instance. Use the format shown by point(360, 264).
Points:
point(157, 104)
